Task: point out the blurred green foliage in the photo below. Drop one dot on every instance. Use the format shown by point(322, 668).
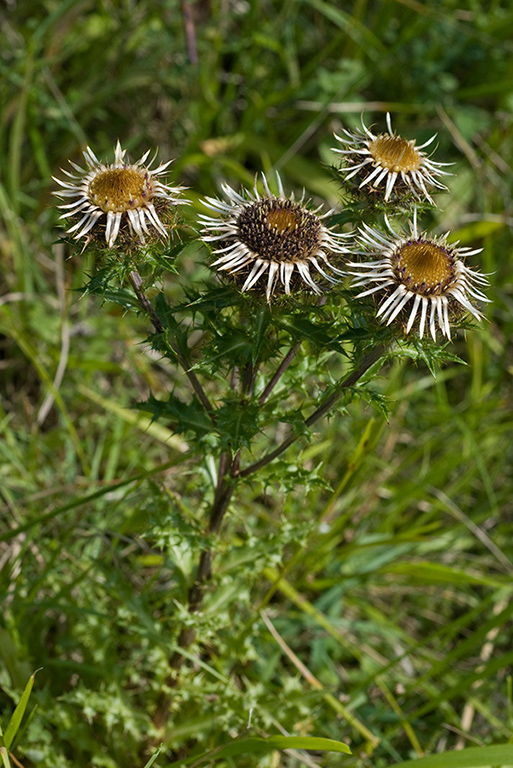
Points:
point(393, 538)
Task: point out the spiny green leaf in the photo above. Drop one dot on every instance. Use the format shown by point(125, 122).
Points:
point(296, 420)
point(213, 299)
point(237, 423)
point(432, 354)
point(319, 334)
point(184, 417)
point(165, 312)
point(372, 397)
point(261, 324)
point(121, 297)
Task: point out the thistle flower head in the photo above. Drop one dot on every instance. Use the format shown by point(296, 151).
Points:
point(387, 162)
point(418, 268)
point(110, 197)
point(272, 238)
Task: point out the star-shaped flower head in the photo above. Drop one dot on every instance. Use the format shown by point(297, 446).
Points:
point(387, 163)
point(107, 198)
point(414, 274)
point(273, 239)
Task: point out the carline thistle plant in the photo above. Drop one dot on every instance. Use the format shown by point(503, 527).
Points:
point(387, 163)
point(273, 237)
point(245, 375)
point(106, 198)
point(415, 266)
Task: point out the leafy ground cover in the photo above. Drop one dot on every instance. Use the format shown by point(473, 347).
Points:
point(366, 600)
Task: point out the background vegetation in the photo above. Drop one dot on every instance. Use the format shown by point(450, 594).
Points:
point(391, 627)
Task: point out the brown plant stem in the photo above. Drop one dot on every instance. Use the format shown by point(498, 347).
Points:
point(279, 372)
point(190, 31)
point(321, 411)
point(147, 307)
point(222, 496)
point(228, 473)
point(229, 469)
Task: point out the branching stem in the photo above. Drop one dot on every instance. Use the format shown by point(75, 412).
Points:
point(321, 411)
point(146, 305)
point(279, 372)
point(227, 476)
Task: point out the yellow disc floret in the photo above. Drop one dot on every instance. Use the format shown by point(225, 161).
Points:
point(425, 264)
point(395, 154)
point(120, 189)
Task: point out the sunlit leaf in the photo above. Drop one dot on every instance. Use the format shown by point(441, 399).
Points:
point(17, 715)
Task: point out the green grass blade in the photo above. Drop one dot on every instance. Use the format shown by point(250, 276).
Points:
point(498, 756)
point(153, 757)
point(84, 499)
point(283, 742)
point(17, 715)
point(261, 746)
point(360, 33)
point(27, 347)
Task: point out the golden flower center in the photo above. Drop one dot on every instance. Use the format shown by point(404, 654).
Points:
point(395, 154)
point(120, 189)
point(282, 220)
point(425, 265)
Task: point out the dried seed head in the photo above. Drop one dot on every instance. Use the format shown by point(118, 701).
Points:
point(395, 154)
point(280, 230)
point(120, 189)
point(273, 237)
